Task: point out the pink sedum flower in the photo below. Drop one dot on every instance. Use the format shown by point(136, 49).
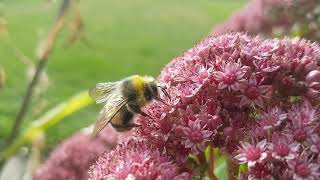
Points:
point(272, 118)
point(302, 118)
point(136, 160)
point(196, 136)
point(230, 76)
point(254, 93)
point(252, 154)
point(303, 114)
point(302, 168)
point(283, 148)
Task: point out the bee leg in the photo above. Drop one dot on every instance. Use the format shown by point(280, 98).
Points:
point(144, 114)
point(135, 108)
point(133, 125)
point(165, 92)
point(161, 100)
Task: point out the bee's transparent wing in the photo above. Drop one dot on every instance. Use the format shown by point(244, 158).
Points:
point(109, 111)
point(102, 91)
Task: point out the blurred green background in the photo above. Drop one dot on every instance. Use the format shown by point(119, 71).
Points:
point(126, 37)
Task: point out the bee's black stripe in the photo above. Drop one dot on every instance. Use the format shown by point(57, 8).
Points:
point(129, 91)
point(147, 92)
point(124, 126)
point(117, 125)
point(121, 128)
point(126, 115)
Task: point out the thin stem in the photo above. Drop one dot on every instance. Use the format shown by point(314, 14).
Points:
point(202, 164)
point(233, 168)
point(42, 61)
point(26, 101)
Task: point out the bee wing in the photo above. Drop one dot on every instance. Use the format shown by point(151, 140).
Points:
point(109, 111)
point(102, 91)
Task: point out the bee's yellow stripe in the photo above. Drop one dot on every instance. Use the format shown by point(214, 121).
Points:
point(138, 84)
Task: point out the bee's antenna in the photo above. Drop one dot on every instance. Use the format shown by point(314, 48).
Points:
point(165, 92)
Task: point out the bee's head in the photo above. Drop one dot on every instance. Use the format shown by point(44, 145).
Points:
point(151, 91)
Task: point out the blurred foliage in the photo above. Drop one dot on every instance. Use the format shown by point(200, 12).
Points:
point(2, 76)
point(49, 119)
point(243, 168)
point(3, 27)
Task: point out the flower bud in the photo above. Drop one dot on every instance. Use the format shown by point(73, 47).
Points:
point(313, 76)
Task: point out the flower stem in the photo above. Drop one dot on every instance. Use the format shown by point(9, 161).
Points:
point(232, 167)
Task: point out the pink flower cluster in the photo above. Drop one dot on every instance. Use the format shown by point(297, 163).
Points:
point(285, 143)
point(276, 17)
point(219, 86)
point(231, 91)
point(73, 157)
point(136, 160)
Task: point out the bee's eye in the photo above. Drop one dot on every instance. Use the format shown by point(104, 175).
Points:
point(154, 88)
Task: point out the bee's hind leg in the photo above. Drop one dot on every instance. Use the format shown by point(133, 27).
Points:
point(135, 108)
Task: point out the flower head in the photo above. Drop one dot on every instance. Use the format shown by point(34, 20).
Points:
point(227, 86)
point(275, 17)
point(73, 157)
point(135, 160)
point(196, 136)
point(283, 148)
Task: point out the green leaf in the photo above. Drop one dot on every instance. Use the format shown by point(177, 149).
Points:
point(243, 168)
point(220, 163)
point(221, 167)
point(49, 119)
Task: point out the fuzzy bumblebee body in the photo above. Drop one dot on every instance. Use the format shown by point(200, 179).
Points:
point(123, 99)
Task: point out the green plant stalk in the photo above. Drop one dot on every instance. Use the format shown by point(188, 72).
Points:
point(48, 120)
point(211, 162)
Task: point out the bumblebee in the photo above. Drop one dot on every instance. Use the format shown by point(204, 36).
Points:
point(123, 99)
